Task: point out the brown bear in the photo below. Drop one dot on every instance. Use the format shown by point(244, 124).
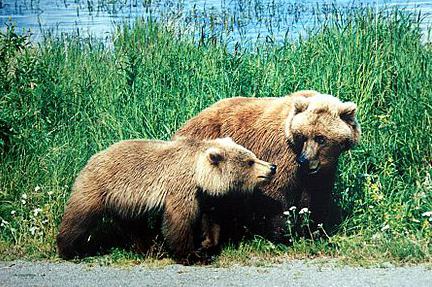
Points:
point(134, 177)
point(303, 134)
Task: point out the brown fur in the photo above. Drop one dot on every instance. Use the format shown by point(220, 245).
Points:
point(274, 129)
point(133, 177)
point(211, 232)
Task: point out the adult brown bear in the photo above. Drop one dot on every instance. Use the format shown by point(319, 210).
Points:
point(303, 134)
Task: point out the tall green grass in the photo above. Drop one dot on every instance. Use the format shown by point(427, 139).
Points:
point(64, 99)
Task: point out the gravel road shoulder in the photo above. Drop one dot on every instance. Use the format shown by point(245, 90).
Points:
point(293, 273)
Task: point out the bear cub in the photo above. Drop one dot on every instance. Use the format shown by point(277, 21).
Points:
point(133, 178)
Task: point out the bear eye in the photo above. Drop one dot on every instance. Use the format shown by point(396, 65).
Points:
point(250, 162)
point(300, 138)
point(320, 139)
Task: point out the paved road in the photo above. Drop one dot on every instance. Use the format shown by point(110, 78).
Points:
point(293, 273)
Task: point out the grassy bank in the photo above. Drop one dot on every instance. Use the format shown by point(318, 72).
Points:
point(63, 100)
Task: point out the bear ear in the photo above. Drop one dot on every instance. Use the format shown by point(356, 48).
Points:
point(214, 155)
point(347, 112)
point(300, 105)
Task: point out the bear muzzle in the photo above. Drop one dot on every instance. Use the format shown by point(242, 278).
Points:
point(269, 173)
point(273, 168)
point(308, 166)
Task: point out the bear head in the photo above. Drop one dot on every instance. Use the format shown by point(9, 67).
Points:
point(320, 128)
point(225, 166)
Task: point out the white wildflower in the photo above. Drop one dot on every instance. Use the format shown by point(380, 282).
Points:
point(23, 201)
point(304, 210)
point(286, 212)
point(427, 181)
point(376, 236)
point(37, 188)
point(4, 223)
point(36, 211)
point(13, 212)
point(24, 196)
point(320, 225)
point(427, 214)
point(292, 208)
point(385, 227)
point(33, 230)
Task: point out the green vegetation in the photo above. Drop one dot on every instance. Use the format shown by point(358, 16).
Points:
point(64, 99)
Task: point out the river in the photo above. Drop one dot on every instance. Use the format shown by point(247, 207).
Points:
point(242, 20)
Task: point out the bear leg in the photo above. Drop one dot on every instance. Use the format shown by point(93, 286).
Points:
point(211, 233)
point(178, 226)
point(81, 215)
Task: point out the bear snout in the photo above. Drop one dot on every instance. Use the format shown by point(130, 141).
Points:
point(314, 166)
point(308, 166)
point(302, 160)
point(267, 171)
point(273, 168)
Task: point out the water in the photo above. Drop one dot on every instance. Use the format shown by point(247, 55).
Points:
point(241, 20)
